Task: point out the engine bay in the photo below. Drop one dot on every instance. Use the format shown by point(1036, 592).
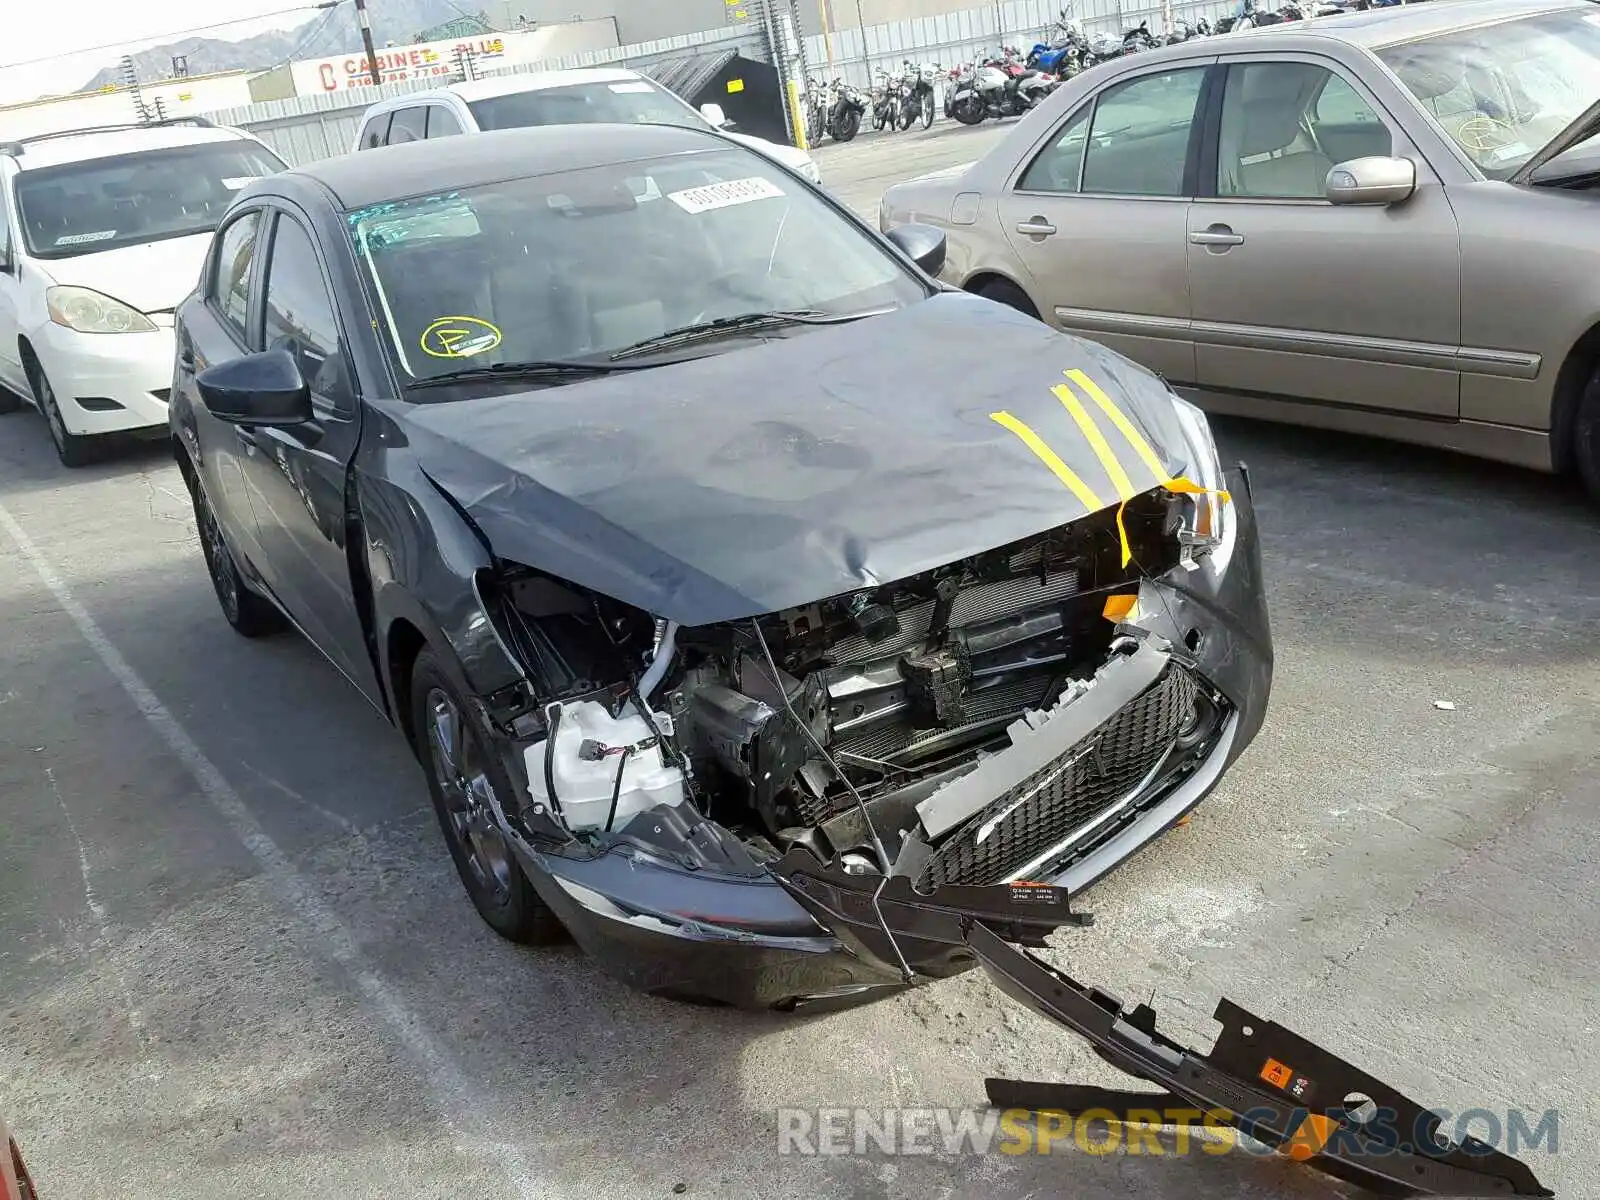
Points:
point(826, 724)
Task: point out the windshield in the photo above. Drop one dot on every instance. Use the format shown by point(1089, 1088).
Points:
point(621, 102)
point(127, 199)
point(585, 263)
point(1505, 91)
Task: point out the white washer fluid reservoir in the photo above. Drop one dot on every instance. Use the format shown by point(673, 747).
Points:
point(589, 751)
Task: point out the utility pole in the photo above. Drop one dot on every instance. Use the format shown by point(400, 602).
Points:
point(366, 42)
point(827, 33)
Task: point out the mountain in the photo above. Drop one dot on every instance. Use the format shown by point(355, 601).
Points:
point(396, 22)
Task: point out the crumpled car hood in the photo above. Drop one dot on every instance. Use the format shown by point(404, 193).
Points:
point(767, 476)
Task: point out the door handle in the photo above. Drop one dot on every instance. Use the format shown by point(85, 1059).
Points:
point(1217, 235)
point(1036, 227)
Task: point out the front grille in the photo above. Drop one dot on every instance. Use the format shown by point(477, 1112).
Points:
point(1066, 794)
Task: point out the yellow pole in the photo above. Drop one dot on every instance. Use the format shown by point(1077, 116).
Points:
point(796, 117)
point(827, 34)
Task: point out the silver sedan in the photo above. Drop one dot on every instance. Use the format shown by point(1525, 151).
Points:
point(1385, 222)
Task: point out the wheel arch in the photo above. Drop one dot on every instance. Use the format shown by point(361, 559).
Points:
point(976, 282)
point(1573, 376)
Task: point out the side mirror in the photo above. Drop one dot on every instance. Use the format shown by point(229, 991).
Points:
point(258, 389)
point(1376, 180)
point(714, 115)
point(923, 244)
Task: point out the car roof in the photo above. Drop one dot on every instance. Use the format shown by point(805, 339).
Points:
point(509, 85)
point(446, 164)
point(1378, 27)
point(86, 144)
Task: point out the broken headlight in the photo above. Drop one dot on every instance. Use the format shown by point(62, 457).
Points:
point(1211, 528)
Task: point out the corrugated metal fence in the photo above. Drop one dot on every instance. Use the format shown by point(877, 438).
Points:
point(306, 128)
point(959, 37)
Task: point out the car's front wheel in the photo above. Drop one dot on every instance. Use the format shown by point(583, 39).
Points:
point(73, 449)
point(467, 781)
point(251, 615)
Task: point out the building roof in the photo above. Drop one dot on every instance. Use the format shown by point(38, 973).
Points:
point(422, 168)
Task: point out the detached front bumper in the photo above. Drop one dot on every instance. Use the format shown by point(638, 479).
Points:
point(108, 382)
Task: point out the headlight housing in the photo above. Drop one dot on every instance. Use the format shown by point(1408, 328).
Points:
point(1214, 527)
point(88, 311)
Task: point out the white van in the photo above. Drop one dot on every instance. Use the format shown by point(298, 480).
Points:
point(601, 94)
point(102, 233)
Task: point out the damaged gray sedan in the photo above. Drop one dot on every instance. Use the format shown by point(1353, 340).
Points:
point(751, 602)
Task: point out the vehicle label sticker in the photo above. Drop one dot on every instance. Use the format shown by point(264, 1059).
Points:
point(235, 182)
point(635, 87)
point(1276, 1073)
point(78, 239)
point(459, 337)
point(724, 195)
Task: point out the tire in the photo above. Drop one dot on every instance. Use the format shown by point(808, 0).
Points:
point(73, 449)
point(1586, 437)
point(816, 126)
point(927, 110)
point(250, 614)
point(454, 750)
point(848, 125)
point(1003, 291)
point(969, 112)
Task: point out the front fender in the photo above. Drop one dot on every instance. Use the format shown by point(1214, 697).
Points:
point(422, 557)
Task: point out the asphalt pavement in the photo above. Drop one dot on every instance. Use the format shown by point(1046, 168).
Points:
point(235, 959)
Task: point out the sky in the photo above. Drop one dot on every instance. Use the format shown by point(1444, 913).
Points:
point(34, 29)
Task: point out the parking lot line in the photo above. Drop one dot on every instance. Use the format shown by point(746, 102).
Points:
point(460, 1104)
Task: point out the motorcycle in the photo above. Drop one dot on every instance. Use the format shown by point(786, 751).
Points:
point(817, 104)
point(1183, 31)
point(1138, 38)
point(999, 87)
point(885, 100)
point(1103, 46)
point(1066, 51)
point(917, 95)
point(845, 113)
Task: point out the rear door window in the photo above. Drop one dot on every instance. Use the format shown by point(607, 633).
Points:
point(442, 122)
point(409, 125)
point(376, 132)
point(1139, 141)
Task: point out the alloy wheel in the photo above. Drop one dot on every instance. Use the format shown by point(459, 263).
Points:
point(458, 769)
point(219, 560)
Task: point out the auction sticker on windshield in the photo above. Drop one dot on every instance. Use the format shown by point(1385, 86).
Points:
point(724, 195)
point(78, 239)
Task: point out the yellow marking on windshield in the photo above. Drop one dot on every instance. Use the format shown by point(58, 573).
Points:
point(459, 337)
